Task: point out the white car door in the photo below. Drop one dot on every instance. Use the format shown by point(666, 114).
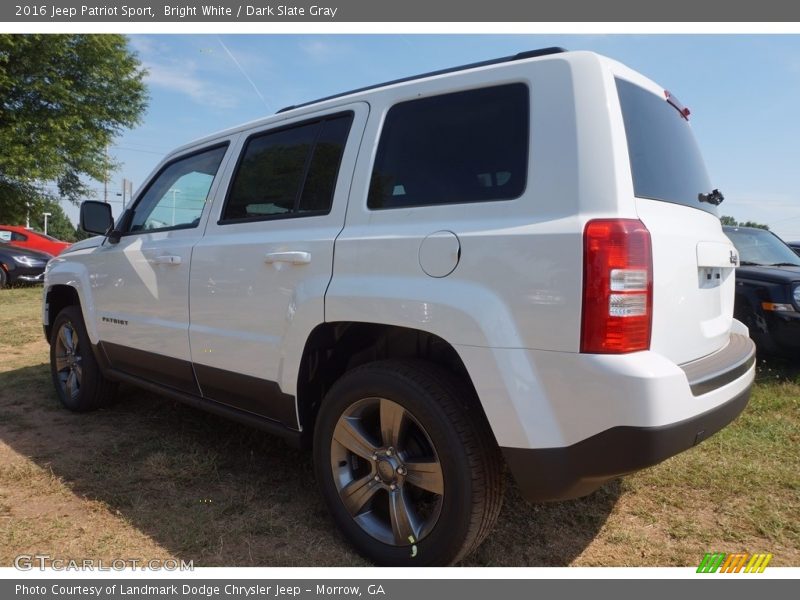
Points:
point(140, 285)
point(260, 273)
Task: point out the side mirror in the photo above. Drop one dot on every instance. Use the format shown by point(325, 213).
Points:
point(96, 217)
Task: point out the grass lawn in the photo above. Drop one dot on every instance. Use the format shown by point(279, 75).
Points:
point(151, 478)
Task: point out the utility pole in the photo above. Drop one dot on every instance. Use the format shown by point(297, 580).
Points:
point(105, 179)
point(174, 192)
point(45, 215)
point(127, 192)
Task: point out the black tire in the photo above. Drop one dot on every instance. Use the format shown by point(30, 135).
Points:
point(441, 421)
point(3, 278)
point(77, 377)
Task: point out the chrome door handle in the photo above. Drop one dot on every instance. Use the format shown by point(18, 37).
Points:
point(166, 260)
point(295, 258)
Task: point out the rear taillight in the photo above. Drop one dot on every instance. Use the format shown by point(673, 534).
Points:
point(617, 287)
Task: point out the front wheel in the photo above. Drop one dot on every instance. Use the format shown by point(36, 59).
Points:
point(407, 464)
point(79, 382)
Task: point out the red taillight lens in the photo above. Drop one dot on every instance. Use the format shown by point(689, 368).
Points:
point(617, 287)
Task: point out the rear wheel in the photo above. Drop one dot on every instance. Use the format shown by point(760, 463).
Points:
point(407, 464)
point(3, 278)
point(77, 378)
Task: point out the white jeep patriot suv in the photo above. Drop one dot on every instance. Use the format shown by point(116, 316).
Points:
point(512, 263)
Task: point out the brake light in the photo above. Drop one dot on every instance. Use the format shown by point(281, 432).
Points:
point(685, 112)
point(617, 287)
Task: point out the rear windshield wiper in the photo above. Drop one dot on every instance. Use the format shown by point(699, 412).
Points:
point(715, 197)
point(747, 263)
point(784, 264)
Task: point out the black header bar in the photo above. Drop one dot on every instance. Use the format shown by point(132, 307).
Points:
point(452, 11)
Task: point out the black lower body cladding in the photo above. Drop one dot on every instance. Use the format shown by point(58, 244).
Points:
point(573, 471)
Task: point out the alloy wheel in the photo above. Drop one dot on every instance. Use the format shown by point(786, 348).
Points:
point(69, 367)
point(387, 471)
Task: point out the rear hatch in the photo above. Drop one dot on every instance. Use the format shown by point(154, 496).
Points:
point(693, 260)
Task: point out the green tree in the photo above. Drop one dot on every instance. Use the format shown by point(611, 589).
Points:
point(753, 224)
point(727, 220)
point(63, 99)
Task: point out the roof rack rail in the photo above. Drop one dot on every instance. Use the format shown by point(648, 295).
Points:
point(485, 63)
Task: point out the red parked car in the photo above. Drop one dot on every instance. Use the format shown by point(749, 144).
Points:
point(16, 235)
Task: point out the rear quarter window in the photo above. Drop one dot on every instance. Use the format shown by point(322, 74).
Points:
point(665, 159)
point(469, 146)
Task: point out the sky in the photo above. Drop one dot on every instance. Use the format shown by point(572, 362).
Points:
point(743, 91)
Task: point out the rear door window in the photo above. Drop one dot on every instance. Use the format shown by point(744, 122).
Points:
point(666, 163)
point(288, 172)
point(469, 146)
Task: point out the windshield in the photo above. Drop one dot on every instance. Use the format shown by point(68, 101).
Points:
point(760, 247)
point(666, 163)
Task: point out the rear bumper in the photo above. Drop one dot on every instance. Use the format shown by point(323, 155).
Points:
point(570, 422)
point(577, 470)
point(721, 368)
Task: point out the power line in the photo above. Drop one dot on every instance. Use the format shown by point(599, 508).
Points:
point(144, 145)
point(790, 218)
point(55, 187)
point(138, 150)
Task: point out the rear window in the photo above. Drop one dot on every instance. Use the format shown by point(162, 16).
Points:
point(666, 163)
point(455, 148)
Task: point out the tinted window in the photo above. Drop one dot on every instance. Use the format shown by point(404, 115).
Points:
point(288, 172)
point(322, 173)
point(665, 160)
point(12, 236)
point(177, 196)
point(463, 147)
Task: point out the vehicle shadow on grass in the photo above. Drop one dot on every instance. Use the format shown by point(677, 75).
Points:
point(219, 494)
point(777, 369)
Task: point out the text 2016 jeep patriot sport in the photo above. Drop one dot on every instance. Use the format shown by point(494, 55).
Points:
point(515, 262)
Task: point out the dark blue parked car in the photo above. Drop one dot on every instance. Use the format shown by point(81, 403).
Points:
point(767, 290)
point(20, 265)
